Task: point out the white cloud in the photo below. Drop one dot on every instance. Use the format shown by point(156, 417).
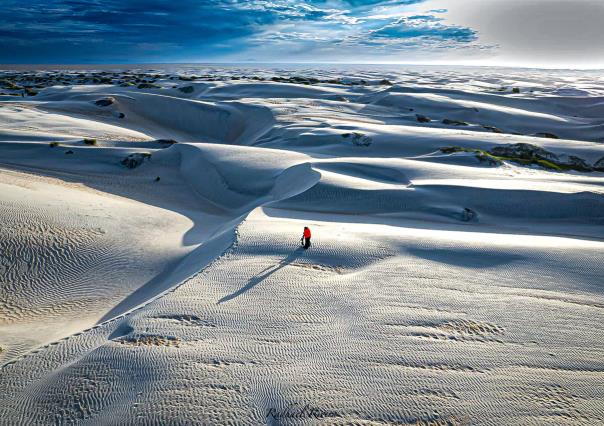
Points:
point(552, 33)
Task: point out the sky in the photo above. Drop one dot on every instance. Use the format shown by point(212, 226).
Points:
point(531, 33)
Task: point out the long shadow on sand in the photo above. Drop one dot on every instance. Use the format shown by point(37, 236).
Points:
point(465, 258)
point(263, 275)
point(584, 232)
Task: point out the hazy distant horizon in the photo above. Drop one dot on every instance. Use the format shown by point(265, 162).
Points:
point(251, 64)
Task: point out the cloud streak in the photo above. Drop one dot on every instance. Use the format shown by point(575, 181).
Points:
point(159, 30)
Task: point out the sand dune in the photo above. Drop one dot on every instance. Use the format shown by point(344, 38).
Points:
point(442, 287)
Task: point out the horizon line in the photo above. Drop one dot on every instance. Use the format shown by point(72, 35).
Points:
point(431, 64)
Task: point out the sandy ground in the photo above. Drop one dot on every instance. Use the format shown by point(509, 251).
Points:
point(125, 299)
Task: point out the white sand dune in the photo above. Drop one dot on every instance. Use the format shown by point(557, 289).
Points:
point(440, 289)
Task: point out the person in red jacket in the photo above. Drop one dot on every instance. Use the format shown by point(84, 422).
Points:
point(306, 238)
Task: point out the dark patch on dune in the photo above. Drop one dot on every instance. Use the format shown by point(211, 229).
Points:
point(358, 139)
point(187, 89)
point(148, 86)
point(547, 135)
point(527, 154)
point(135, 160)
point(493, 129)
point(105, 102)
point(454, 122)
point(468, 215)
point(166, 142)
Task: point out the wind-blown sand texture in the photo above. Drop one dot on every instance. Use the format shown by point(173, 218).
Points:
point(441, 287)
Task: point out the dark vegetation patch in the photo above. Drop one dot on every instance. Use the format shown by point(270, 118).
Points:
point(492, 129)
point(547, 135)
point(9, 85)
point(358, 139)
point(482, 155)
point(468, 215)
point(105, 101)
point(148, 86)
point(526, 154)
point(296, 80)
point(89, 142)
point(132, 161)
point(454, 122)
point(26, 82)
point(187, 89)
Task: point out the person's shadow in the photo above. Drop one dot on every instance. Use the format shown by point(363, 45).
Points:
point(261, 276)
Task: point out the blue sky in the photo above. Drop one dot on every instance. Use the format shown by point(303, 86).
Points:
point(353, 31)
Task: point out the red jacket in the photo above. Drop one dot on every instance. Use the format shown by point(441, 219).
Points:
point(307, 233)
